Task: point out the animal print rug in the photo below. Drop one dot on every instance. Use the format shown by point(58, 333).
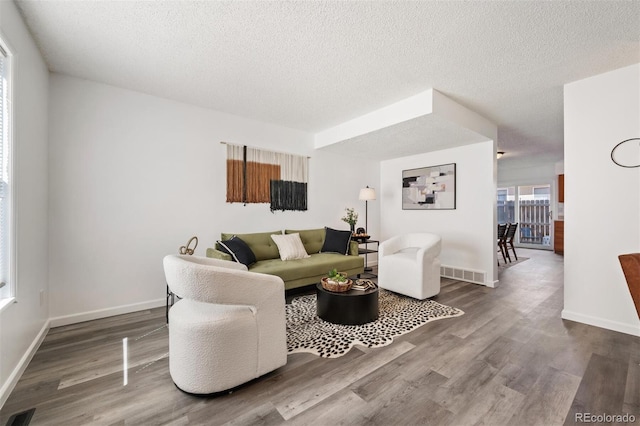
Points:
point(398, 315)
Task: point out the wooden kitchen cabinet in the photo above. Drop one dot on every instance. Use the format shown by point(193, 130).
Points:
point(558, 236)
point(561, 188)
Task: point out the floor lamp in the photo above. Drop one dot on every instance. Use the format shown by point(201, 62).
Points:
point(366, 194)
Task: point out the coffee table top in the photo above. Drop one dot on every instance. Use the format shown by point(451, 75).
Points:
point(350, 293)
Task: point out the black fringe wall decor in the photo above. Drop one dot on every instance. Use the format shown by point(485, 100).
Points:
point(288, 195)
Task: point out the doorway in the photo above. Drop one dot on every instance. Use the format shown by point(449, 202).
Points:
point(530, 207)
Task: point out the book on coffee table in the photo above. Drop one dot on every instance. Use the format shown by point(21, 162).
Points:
point(363, 285)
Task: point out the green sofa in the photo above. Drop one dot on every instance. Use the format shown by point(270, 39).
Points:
point(299, 272)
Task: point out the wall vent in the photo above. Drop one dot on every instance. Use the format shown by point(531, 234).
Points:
point(470, 275)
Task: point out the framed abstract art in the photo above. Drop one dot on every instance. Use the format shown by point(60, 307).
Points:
point(429, 188)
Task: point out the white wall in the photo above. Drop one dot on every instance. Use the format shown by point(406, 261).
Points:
point(518, 173)
point(133, 177)
point(468, 232)
point(22, 324)
point(602, 200)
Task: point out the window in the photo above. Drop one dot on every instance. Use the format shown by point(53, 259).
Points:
point(528, 205)
point(7, 288)
point(506, 204)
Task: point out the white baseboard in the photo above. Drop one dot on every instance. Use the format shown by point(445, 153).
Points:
point(12, 381)
point(631, 329)
point(104, 313)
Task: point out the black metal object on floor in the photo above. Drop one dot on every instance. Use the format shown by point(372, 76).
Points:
point(21, 419)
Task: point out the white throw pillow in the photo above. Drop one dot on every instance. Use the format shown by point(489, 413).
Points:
point(290, 246)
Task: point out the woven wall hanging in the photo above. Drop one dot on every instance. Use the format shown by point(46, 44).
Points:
point(259, 176)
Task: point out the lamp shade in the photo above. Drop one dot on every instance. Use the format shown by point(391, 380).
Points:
point(367, 194)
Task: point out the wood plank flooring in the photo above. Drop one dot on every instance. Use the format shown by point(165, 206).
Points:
point(510, 360)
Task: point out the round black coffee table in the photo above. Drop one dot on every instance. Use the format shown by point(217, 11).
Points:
point(353, 307)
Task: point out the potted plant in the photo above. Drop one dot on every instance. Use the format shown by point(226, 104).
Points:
point(351, 217)
point(336, 277)
point(336, 281)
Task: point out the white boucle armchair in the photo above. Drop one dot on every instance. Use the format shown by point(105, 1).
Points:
point(228, 327)
point(409, 264)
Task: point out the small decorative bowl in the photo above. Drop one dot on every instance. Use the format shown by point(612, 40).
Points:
point(336, 287)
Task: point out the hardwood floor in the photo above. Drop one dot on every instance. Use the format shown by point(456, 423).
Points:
point(510, 360)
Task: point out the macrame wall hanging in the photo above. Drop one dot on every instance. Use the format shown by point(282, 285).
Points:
point(259, 176)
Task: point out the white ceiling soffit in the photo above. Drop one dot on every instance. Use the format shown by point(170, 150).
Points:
point(422, 123)
point(311, 65)
point(426, 133)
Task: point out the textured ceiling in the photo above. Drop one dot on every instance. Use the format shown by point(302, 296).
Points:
point(312, 65)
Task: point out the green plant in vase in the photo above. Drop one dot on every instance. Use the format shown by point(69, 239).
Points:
point(351, 217)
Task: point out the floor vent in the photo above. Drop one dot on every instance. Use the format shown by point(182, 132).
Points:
point(21, 419)
point(469, 275)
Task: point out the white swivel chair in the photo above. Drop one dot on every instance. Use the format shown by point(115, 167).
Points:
point(229, 326)
point(409, 264)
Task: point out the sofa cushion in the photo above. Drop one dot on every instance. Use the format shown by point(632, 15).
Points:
point(290, 246)
point(318, 264)
point(260, 243)
point(336, 241)
point(216, 253)
point(311, 238)
point(239, 250)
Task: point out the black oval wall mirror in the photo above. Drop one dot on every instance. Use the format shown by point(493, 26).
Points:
point(623, 154)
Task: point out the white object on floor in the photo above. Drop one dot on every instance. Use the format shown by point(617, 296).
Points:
point(229, 327)
point(409, 264)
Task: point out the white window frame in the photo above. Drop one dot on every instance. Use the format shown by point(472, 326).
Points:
point(8, 294)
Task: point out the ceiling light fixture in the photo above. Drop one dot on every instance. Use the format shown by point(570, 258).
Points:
point(499, 154)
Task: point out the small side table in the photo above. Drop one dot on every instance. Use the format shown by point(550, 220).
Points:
point(366, 250)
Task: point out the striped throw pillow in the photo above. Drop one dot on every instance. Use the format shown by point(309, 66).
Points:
point(290, 246)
